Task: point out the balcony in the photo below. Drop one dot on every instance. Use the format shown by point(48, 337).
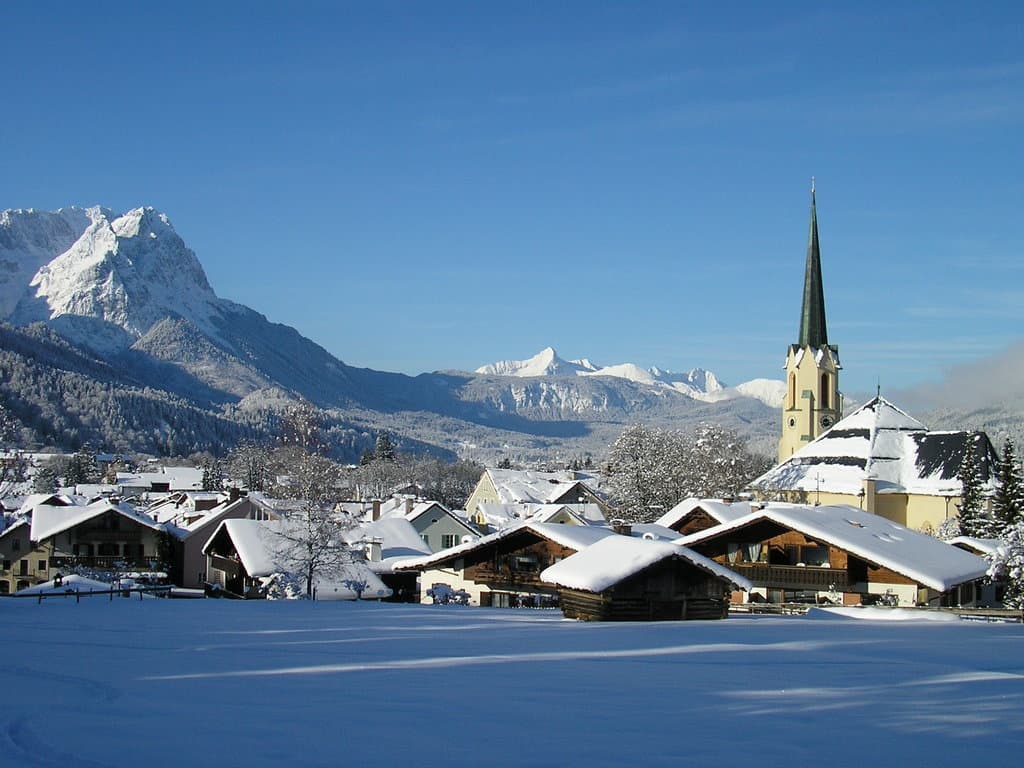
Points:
point(792, 576)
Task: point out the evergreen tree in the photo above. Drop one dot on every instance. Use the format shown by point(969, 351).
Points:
point(1008, 502)
point(1008, 565)
point(385, 449)
point(972, 517)
point(45, 480)
point(82, 467)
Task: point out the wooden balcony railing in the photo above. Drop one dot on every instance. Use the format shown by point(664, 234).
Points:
point(792, 576)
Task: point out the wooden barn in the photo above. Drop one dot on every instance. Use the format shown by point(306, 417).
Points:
point(627, 579)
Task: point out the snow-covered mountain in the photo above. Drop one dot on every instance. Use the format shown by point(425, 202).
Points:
point(136, 307)
point(697, 383)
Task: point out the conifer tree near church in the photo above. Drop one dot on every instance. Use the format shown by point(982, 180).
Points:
point(972, 518)
point(1008, 502)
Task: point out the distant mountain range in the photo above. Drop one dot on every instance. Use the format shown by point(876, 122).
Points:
point(111, 333)
point(696, 383)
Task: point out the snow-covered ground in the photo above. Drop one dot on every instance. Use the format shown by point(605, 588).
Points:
point(218, 683)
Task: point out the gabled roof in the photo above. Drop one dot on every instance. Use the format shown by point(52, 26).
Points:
point(257, 543)
point(981, 547)
point(421, 508)
point(519, 485)
point(722, 511)
point(502, 515)
point(879, 442)
point(48, 521)
point(49, 499)
point(575, 537)
point(917, 556)
point(615, 558)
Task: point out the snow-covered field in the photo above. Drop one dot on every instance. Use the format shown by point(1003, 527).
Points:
point(218, 683)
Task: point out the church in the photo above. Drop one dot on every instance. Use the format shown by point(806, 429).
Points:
point(879, 457)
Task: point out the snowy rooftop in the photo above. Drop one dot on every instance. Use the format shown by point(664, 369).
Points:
point(722, 511)
point(615, 558)
point(575, 537)
point(48, 520)
point(399, 541)
point(179, 478)
point(516, 485)
point(981, 547)
point(262, 551)
point(502, 515)
point(879, 442)
point(873, 538)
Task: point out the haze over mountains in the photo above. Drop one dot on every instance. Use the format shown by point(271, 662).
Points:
point(114, 335)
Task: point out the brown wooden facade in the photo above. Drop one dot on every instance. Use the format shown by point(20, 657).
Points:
point(671, 589)
point(512, 566)
point(791, 565)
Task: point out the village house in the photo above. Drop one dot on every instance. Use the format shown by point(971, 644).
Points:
point(839, 554)
point(23, 563)
point(191, 519)
point(526, 487)
point(388, 542)
point(244, 557)
point(165, 480)
point(437, 526)
point(503, 568)
point(622, 578)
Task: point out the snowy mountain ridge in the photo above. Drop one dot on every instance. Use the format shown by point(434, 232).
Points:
point(697, 383)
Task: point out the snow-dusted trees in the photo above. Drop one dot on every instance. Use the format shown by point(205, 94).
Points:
point(310, 540)
point(650, 469)
point(1008, 519)
point(973, 520)
point(1008, 502)
point(249, 463)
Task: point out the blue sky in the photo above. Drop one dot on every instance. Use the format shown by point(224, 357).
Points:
point(420, 186)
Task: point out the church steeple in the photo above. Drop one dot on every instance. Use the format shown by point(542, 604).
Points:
point(813, 331)
point(813, 402)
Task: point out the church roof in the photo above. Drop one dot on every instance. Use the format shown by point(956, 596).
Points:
point(813, 330)
point(880, 442)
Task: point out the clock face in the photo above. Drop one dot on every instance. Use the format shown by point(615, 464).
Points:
point(826, 422)
point(792, 422)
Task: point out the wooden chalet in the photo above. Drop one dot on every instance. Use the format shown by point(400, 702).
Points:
point(802, 553)
point(621, 578)
point(503, 569)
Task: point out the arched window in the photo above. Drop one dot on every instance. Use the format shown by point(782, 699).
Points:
point(824, 399)
point(792, 390)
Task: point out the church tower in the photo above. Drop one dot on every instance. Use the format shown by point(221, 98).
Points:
point(812, 401)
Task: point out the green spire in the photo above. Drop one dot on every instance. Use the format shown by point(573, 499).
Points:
point(813, 332)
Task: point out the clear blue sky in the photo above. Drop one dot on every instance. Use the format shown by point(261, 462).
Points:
point(419, 186)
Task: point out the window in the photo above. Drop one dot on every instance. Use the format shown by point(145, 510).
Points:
point(7, 565)
point(792, 390)
point(5, 587)
point(449, 540)
point(23, 568)
point(526, 563)
point(426, 539)
point(823, 401)
point(42, 565)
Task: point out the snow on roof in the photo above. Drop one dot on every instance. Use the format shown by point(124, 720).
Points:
point(51, 499)
point(918, 556)
point(525, 485)
point(48, 520)
point(722, 511)
point(179, 478)
point(502, 515)
point(878, 442)
point(258, 544)
point(575, 537)
point(399, 541)
point(981, 547)
point(614, 558)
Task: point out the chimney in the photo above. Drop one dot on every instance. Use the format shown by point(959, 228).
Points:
point(376, 509)
point(622, 527)
point(374, 550)
point(410, 502)
point(233, 494)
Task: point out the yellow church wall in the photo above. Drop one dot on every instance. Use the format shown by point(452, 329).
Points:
point(804, 402)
